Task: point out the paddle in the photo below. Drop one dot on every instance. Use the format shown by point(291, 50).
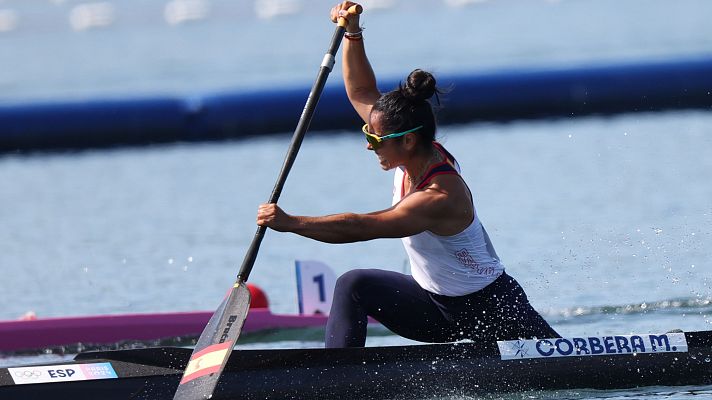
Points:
point(220, 334)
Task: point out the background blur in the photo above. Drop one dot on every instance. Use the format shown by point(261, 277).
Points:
point(70, 48)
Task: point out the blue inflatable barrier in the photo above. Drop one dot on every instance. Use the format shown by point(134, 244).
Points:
point(574, 92)
point(100, 123)
point(502, 95)
point(232, 115)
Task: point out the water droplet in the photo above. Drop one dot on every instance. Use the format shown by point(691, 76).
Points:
point(170, 261)
point(190, 259)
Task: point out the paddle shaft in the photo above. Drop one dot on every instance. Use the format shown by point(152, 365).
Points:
point(297, 138)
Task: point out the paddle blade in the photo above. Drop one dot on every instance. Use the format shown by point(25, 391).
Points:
point(214, 346)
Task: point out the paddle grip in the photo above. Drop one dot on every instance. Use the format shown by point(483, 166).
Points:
point(355, 9)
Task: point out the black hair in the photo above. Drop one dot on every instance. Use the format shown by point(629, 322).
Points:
point(408, 107)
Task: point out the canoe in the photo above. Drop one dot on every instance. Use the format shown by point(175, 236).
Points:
point(414, 371)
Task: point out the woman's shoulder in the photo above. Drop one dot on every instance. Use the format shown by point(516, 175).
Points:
point(446, 181)
point(452, 187)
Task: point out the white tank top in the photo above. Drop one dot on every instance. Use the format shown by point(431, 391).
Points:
point(454, 265)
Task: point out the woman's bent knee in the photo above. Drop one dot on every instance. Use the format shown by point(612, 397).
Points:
point(355, 280)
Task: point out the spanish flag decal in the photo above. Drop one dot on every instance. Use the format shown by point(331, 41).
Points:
point(206, 361)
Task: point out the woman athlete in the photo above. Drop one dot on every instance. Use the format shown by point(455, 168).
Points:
point(458, 288)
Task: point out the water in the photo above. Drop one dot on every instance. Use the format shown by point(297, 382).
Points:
point(606, 221)
point(602, 212)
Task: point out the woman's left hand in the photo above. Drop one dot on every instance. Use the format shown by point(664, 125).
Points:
point(271, 216)
point(341, 10)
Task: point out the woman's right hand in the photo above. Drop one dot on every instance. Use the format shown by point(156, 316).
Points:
point(271, 216)
point(341, 11)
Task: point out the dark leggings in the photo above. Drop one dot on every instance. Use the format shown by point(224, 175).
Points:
point(500, 311)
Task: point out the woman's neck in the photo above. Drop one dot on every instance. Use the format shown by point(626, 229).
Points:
point(418, 166)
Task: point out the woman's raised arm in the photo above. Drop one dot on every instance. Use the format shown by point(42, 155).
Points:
point(359, 79)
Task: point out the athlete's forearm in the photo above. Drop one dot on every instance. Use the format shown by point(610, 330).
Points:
point(358, 74)
point(337, 228)
point(359, 78)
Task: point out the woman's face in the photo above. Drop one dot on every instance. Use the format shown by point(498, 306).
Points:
point(390, 153)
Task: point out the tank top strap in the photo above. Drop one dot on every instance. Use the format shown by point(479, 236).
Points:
point(444, 151)
point(445, 167)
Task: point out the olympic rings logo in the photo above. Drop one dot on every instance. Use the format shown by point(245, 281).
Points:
point(34, 374)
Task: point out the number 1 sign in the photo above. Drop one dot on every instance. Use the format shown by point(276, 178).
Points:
point(315, 287)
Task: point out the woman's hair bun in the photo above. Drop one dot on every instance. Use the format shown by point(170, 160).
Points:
point(419, 86)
